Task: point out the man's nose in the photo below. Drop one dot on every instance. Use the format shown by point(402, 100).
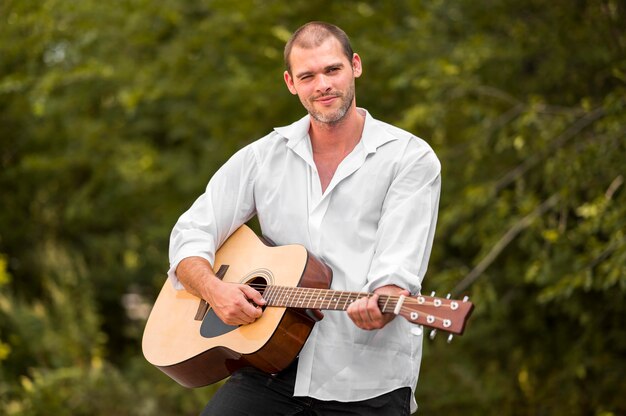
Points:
point(323, 83)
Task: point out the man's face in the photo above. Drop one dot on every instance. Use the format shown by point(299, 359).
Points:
point(323, 79)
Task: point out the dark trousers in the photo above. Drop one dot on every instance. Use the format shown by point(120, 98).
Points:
point(250, 392)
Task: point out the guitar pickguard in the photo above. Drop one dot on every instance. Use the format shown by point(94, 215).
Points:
point(212, 326)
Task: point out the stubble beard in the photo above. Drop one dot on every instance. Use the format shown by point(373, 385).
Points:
point(333, 117)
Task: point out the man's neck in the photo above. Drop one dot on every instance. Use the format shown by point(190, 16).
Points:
point(337, 138)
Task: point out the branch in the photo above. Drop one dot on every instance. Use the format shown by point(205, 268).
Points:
point(504, 241)
point(617, 182)
point(560, 140)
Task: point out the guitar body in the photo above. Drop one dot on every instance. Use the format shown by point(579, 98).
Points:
point(194, 348)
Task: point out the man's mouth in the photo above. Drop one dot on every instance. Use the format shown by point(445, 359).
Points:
point(327, 99)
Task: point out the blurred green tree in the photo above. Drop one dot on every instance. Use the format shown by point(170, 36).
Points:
point(113, 115)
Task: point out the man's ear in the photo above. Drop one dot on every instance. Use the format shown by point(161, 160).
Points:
point(289, 82)
point(357, 65)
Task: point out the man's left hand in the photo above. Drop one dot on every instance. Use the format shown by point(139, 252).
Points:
point(365, 312)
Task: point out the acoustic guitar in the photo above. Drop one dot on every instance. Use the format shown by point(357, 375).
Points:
point(186, 340)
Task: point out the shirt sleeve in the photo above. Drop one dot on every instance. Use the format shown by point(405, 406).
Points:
point(406, 228)
point(226, 204)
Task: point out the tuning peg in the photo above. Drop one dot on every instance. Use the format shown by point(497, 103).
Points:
point(450, 338)
point(432, 294)
point(432, 334)
point(448, 296)
point(465, 298)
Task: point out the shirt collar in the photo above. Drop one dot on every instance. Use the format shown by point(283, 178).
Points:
point(374, 132)
point(295, 132)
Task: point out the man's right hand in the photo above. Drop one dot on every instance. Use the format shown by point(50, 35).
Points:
point(233, 303)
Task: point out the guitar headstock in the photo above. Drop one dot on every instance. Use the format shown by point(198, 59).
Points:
point(448, 315)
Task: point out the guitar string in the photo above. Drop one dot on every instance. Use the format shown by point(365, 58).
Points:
point(296, 291)
point(291, 292)
point(345, 299)
point(278, 292)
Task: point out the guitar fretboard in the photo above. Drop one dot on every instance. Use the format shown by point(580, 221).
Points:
point(323, 299)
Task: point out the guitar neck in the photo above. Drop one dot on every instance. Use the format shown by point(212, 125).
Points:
point(323, 299)
point(447, 314)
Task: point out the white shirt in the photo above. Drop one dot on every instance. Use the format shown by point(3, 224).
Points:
point(374, 226)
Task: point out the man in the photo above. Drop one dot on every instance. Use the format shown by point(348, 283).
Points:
point(359, 193)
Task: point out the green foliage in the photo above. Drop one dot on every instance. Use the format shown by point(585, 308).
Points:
point(113, 115)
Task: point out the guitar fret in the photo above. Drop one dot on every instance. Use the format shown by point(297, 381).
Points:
point(330, 299)
point(345, 303)
point(303, 295)
point(313, 299)
point(281, 298)
point(298, 299)
point(267, 294)
point(384, 308)
point(354, 296)
point(308, 301)
point(276, 295)
point(319, 299)
point(288, 298)
point(289, 295)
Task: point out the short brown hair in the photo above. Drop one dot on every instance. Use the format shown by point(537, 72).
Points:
point(314, 34)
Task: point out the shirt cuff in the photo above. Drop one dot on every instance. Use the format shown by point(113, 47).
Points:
point(399, 277)
point(171, 273)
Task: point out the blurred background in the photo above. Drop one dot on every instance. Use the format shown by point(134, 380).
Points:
point(115, 114)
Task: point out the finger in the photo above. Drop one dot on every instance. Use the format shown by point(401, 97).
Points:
point(240, 310)
point(373, 310)
point(251, 312)
point(239, 318)
point(253, 295)
point(354, 312)
point(234, 317)
point(365, 314)
point(378, 319)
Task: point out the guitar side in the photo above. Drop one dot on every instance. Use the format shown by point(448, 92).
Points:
point(172, 340)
